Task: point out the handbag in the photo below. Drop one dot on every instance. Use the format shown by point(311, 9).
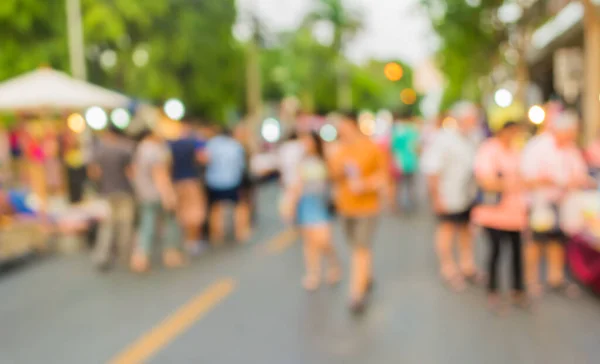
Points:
point(544, 218)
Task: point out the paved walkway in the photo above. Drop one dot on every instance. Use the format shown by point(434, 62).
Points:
point(245, 304)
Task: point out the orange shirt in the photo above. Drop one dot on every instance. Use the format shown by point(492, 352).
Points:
point(361, 160)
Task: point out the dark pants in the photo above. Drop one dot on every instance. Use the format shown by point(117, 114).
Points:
point(76, 179)
point(497, 238)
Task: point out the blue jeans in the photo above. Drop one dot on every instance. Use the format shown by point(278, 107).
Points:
point(150, 214)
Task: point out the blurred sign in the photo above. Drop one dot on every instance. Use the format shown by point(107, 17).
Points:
point(568, 73)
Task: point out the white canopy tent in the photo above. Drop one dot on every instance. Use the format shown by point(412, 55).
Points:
point(48, 88)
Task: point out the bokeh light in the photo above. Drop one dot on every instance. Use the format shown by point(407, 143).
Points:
point(328, 133)
point(120, 118)
point(383, 122)
point(408, 96)
point(271, 130)
point(140, 57)
point(503, 98)
point(537, 115)
point(367, 123)
point(108, 59)
point(96, 118)
point(174, 109)
point(393, 71)
point(76, 123)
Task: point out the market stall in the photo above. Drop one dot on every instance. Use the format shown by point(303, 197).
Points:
point(43, 99)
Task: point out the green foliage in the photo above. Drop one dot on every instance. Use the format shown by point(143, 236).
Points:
point(192, 54)
point(28, 36)
point(469, 44)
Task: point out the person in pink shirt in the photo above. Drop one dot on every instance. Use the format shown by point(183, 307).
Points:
point(501, 211)
point(552, 167)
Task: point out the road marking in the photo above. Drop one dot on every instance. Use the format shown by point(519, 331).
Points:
point(282, 241)
point(175, 324)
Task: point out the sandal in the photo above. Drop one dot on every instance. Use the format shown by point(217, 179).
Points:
point(456, 283)
point(569, 290)
point(334, 276)
point(521, 300)
point(535, 290)
point(358, 306)
point(475, 278)
point(311, 283)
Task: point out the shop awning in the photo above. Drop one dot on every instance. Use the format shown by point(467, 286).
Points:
point(561, 29)
point(48, 88)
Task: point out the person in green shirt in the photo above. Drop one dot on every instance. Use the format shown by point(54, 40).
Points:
point(405, 155)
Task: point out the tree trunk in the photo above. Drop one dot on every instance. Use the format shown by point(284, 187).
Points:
point(253, 87)
point(591, 104)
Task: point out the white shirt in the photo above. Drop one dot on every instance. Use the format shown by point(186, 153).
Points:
point(543, 158)
point(290, 156)
point(451, 157)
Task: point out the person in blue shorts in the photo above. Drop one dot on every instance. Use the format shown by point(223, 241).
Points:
point(311, 193)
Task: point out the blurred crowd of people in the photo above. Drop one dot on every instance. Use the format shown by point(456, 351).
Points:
point(511, 188)
point(180, 188)
point(510, 183)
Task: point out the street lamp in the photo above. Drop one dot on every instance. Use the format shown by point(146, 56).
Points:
point(536, 114)
point(120, 118)
point(503, 98)
point(96, 118)
point(174, 109)
point(271, 130)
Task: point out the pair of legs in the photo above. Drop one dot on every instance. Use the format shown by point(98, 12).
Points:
point(555, 262)
point(116, 227)
point(218, 200)
point(317, 245)
point(405, 192)
point(497, 238)
point(448, 229)
point(359, 233)
point(76, 178)
point(191, 211)
point(150, 215)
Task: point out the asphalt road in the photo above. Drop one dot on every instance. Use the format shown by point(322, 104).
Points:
point(245, 304)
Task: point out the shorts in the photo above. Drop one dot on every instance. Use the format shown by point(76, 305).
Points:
point(554, 234)
point(226, 195)
point(190, 202)
point(359, 230)
point(544, 238)
point(311, 211)
point(459, 218)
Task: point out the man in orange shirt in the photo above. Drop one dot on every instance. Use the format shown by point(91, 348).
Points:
point(358, 170)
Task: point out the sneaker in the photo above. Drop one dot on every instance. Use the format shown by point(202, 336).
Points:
point(196, 248)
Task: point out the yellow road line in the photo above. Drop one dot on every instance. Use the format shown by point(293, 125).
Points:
point(282, 241)
point(175, 324)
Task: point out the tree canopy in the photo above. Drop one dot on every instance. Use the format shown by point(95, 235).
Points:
point(470, 37)
point(154, 50)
